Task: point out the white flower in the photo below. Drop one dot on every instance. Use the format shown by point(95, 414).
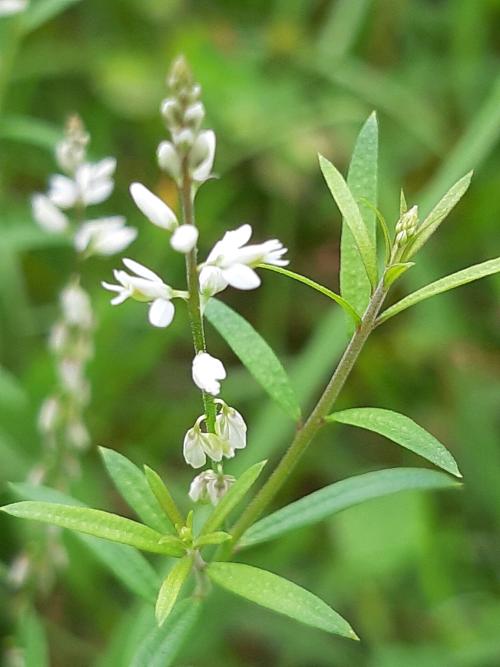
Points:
point(153, 207)
point(49, 414)
point(71, 376)
point(211, 281)
point(76, 308)
point(207, 371)
point(77, 435)
point(201, 156)
point(198, 445)
point(145, 286)
point(92, 184)
point(104, 236)
point(169, 160)
point(210, 485)
point(47, 215)
point(184, 238)
point(234, 259)
point(230, 426)
point(10, 7)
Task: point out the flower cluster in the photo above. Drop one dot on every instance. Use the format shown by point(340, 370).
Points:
point(82, 184)
point(188, 158)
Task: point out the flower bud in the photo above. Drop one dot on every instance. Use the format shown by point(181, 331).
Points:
point(184, 140)
point(184, 238)
point(172, 113)
point(180, 76)
point(194, 115)
point(212, 281)
point(210, 485)
point(207, 372)
point(168, 159)
point(153, 207)
point(201, 157)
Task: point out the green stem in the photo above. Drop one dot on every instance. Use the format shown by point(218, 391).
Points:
point(315, 421)
point(193, 302)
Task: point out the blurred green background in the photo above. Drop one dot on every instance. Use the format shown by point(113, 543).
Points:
point(417, 575)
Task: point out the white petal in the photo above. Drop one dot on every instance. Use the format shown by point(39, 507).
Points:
point(105, 168)
point(169, 160)
point(193, 450)
point(241, 277)
point(63, 191)
point(161, 313)
point(238, 237)
point(184, 238)
point(202, 155)
point(207, 370)
point(153, 207)
point(47, 215)
point(212, 281)
point(141, 270)
point(112, 243)
point(97, 192)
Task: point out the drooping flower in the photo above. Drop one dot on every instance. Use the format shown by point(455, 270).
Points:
point(145, 286)
point(234, 260)
point(184, 238)
point(230, 426)
point(207, 372)
point(47, 215)
point(104, 236)
point(210, 485)
point(153, 207)
point(198, 445)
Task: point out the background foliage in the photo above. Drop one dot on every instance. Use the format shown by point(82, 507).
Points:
point(418, 575)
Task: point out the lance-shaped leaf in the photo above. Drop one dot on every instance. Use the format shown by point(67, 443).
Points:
point(33, 640)
point(401, 430)
point(163, 496)
point(349, 310)
point(39, 13)
point(341, 495)
point(94, 522)
point(171, 588)
point(352, 217)
point(132, 485)
point(124, 562)
point(229, 501)
point(438, 214)
point(443, 285)
point(255, 354)
point(362, 181)
point(280, 595)
point(394, 272)
point(161, 646)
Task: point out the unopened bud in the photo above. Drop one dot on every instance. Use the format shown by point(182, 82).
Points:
point(168, 159)
point(194, 115)
point(172, 113)
point(180, 76)
point(184, 140)
point(71, 150)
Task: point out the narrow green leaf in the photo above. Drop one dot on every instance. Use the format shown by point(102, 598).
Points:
point(171, 588)
point(232, 498)
point(396, 271)
point(352, 216)
point(124, 562)
point(443, 285)
point(93, 522)
point(163, 496)
point(29, 130)
point(132, 485)
point(362, 182)
point(255, 354)
point(356, 319)
point(33, 640)
point(213, 538)
point(344, 494)
point(383, 226)
point(161, 645)
point(280, 595)
point(43, 11)
point(401, 430)
point(438, 214)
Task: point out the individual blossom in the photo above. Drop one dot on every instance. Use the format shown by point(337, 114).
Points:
point(92, 183)
point(199, 444)
point(11, 7)
point(184, 238)
point(49, 414)
point(210, 485)
point(207, 372)
point(145, 286)
point(230, 426)
point(153, 207)
point(76, 307)
point(47, 215)
point(104, 236)
point(234, 260)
